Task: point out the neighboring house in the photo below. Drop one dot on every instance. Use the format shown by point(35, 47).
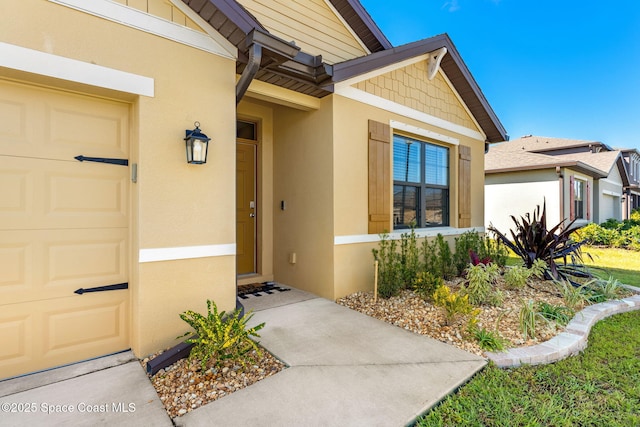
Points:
point(581, 180)
point(632, 190)
point(323, 135)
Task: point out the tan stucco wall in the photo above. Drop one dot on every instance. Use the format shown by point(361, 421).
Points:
point(303, 179)
point(410, 86)
point(173, 204)
point(353, 262)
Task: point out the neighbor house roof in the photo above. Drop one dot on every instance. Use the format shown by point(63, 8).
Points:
point(540, 144)
point(502, 161)
point(284, 64)
point(605, 160)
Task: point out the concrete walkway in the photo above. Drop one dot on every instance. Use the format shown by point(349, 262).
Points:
point(345, 369)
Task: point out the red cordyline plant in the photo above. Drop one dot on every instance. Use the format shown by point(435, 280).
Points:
point(532, 240)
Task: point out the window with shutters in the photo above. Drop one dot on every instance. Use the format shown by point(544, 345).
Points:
point(420, 183)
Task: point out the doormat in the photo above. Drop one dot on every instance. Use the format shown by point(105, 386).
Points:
point(259, 289)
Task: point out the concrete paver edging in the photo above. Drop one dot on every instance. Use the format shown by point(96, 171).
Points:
point(568, 343)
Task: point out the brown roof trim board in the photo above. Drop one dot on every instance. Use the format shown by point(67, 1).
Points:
point(577, 166)
point(452, 65)
point(362, 24)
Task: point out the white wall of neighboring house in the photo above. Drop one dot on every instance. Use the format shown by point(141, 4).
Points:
point(607, 197)
point(518, 193)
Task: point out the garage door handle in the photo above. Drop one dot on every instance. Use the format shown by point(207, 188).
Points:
point(121, 162)
point(102, 288)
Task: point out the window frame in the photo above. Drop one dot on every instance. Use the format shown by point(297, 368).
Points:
point(423, 186)
point(579, 188)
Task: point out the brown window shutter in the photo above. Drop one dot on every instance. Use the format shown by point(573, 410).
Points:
point(572, 202)
point(588, 201)
point(379, 177)
point(464, 186)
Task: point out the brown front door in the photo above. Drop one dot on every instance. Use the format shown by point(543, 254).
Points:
point(246, 208)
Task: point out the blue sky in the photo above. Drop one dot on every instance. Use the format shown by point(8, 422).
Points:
point(562, 68)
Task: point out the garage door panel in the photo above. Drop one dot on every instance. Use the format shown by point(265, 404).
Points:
point(15, 184)
point(64, 225)
point(60, 331)
point(88, 324)
point(13, 336)
point(42, 264)
point(13, 119)
point(54, 194)
point(42, 123)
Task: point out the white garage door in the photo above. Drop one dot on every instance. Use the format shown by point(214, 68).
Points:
point(63, 227)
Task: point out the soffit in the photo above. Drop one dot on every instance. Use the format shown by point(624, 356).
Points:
point(303, 73)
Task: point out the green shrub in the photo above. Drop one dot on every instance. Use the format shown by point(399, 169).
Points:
point(437, 257)
point(464, 244)
point(220, 337)
point(390, 277)
point(409, 257)
point(538, 268)
point(624, 235)
point(489, 340)
point(598, 290)
point(425, 283)
point(635, 215)
point(528, 319)
point(611, 224)
point(480, 280)
point(495, 251)
point(454, 304)
point(573, 296)
point(516, 277)
point(556, 313)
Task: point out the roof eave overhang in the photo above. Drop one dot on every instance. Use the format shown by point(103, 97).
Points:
point(282, 63)
point(452, 65)
point(576, 166)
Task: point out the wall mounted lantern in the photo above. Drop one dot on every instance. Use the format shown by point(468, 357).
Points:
point(197, 144)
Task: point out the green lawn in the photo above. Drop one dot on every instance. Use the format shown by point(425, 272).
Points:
point(600, 387)
point(622, 264)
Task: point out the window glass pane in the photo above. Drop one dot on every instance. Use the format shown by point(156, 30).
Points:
point(246, 130)
point(406, 160)
point(405, 206)
point(436, 207)
point(436, 165)
point(578, 198)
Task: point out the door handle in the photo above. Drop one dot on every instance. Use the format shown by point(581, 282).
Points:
point(252, 215)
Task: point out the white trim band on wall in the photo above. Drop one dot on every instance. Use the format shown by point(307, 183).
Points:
point(395, 235)
point(45, 64)
point(186, 252)
point(423, 132)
